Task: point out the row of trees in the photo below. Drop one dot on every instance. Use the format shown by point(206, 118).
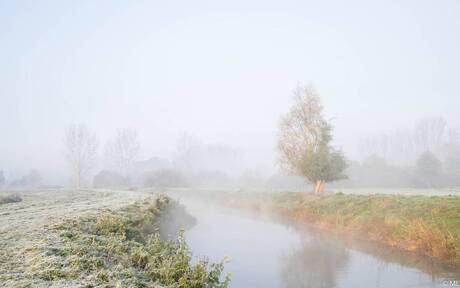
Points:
point(122, 166)
point(427, 156)
point(31, 179)
point(304, 145)
point(427, 171)
point(191, 156)
point(81, 147)
point(404, 146)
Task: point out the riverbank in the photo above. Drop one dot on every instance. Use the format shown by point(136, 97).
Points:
point(425, 225)
point(91, 239)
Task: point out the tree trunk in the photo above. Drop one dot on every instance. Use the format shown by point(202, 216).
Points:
point(319, 185)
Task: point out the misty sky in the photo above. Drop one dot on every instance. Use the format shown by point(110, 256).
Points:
point(222, 71)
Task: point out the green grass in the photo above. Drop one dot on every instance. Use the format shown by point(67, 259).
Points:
point(399, 191)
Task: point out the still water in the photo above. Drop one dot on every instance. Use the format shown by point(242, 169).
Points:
point(268, 254)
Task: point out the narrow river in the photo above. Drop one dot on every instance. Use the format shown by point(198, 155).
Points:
point(267, 254)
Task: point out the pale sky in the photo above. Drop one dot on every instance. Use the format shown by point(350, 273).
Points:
point(221, 70)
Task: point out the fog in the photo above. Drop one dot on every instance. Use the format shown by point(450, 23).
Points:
point(272, 252)
point(223, 74)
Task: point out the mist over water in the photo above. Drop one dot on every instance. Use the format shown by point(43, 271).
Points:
point(264, 253)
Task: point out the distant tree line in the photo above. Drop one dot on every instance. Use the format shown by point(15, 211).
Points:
point(427, 172)
point(31, 179)
point(81, 150)
point(426, 156)
point(403, 147)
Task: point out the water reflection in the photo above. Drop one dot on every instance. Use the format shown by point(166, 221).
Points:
point(268, 254)
point(315, 264)
point(173, 220)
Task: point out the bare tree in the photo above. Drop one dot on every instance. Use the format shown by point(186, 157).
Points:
point(185, 142)
point(80, 146)
point(430, 133)
point(187, 152)
point(124, 149)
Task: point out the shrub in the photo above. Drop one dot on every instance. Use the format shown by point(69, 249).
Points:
point(164, 178)
point(13, 198)
point(32, 179)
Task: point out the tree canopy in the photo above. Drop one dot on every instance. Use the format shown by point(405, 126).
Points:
point(428, 169)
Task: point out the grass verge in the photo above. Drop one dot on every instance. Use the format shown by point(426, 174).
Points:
point(426, 225)
point(121, 248)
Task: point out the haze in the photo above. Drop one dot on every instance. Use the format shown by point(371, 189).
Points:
point(221, 72)
point(229, 143)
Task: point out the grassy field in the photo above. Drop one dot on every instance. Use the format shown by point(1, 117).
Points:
point(96, 239)
point(399, 191)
